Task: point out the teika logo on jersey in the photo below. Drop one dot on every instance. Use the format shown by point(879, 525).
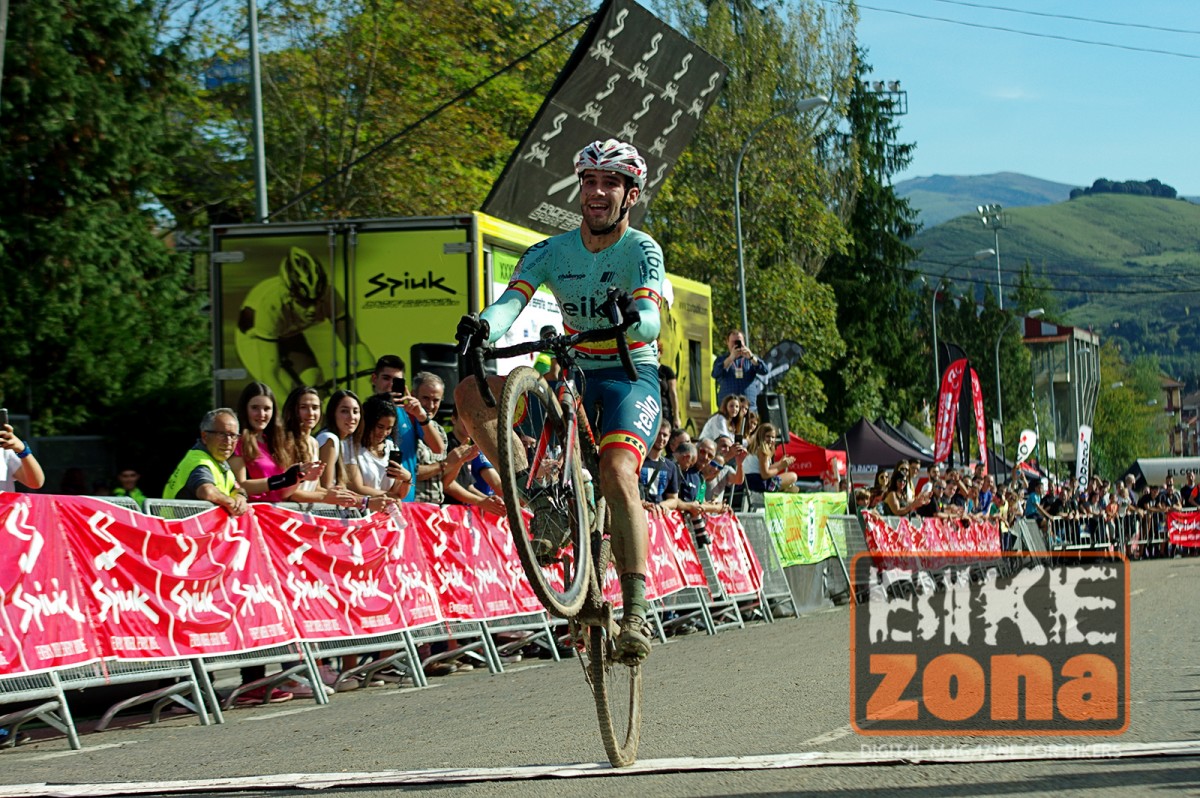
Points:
point(588, 306)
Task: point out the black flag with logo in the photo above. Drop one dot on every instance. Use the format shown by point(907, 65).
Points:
point(631, 77)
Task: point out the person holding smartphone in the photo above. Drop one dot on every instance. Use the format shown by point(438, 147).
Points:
point(17, 463)
point(376, 471)
point(736, 372)
point(413, 423)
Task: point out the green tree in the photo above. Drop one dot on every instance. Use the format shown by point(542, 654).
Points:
point(777, 55)
point(1129, 422)
point(341, 80)
point(99, 313)
point(871, 279)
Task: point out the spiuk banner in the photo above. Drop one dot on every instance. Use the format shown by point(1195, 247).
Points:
point(84, 580)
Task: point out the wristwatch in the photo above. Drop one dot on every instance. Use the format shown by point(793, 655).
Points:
point(428, 418)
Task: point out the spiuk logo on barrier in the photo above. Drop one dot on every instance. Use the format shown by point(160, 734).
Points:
point(1019, 648)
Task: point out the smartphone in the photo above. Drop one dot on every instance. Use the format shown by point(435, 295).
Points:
point(3, 416)
point(398, 385)
point(396, 456)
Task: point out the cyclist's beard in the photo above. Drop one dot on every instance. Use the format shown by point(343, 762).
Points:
point(603, 231)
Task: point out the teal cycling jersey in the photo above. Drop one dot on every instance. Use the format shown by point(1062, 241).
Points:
point(579, 280)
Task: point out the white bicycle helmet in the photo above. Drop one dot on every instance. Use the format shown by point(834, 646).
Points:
point(613, 156)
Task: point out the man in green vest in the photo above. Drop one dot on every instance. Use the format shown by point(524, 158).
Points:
point(204, 473)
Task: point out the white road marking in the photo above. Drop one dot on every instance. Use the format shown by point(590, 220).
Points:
point(284, 713)
point(874, 756)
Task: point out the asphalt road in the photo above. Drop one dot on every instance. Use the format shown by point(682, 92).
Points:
point(759, 711)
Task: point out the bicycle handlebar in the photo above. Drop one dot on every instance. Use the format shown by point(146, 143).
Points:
point(558, 343)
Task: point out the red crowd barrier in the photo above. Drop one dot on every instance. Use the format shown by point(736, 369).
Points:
point(82, 580)
point(1183, 529)
point(931, 537)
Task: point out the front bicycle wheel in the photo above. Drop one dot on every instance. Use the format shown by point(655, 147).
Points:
point(617, 689)
point(545, 495)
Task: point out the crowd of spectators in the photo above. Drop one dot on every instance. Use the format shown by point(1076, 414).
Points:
point(1071, 513)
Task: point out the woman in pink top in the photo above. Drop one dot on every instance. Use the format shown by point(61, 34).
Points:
point(253, 460)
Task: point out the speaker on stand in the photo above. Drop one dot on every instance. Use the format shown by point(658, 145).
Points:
point(772, 409)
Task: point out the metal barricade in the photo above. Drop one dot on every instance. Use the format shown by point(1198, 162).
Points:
point(175, 509)
point(322, 510)
point(402, 656)
point(188, 691)
point(120, 501)
point(776, 590)
point(471, 637)
point(508, 635)
point(304, 671)
point(51, 707)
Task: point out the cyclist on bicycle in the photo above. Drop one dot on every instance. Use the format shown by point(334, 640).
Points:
point(579, 267)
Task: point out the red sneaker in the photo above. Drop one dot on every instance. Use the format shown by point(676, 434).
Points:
point(259, 696)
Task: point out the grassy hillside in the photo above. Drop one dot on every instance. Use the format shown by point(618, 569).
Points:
point(1128, 267)
point(942, 197)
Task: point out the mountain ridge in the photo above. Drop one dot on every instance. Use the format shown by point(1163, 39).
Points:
point(1126, 266)
point(939, 198)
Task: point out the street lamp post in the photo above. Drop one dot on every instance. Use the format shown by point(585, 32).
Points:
point(993, 216)
point(937, 373)
point(260, 158)
point(1033, 314)
point(806, 104)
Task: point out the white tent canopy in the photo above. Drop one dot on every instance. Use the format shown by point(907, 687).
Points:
point(1154, 470)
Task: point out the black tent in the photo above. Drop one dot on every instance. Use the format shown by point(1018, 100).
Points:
point(902, 434)
point(867, 444)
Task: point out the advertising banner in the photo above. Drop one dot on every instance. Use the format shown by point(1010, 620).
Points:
point(182, 588)
point(1027, 445)
point(336, 575)
point(631, 77)
point(980, 433)
point(799, 529)
point(733, 559)
point(1183, 529)
point(43, 613)
point(1083, 455)
point(682, 545)
point(447, 545)
point(932, 536)
point(664, 574)
point(81, 579)
point(947, 410)
point(283, 312)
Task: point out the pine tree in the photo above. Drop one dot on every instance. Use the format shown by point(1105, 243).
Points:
point(885, 361)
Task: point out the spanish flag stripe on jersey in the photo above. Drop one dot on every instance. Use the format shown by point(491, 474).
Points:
point(648, 293)
point(525, 288)
point(624, 440)
point(608, 347)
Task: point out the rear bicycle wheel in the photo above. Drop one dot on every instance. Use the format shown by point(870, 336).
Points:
point(533, 444)
point(617, 690)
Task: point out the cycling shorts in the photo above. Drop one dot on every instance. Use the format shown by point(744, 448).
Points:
point(623, 414)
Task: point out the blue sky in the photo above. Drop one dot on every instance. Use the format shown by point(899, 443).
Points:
point(983, 100)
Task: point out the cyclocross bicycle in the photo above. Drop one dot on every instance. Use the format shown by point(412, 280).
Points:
point(548, 458)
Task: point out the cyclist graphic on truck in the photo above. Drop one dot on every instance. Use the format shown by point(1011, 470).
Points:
point(286, 320)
